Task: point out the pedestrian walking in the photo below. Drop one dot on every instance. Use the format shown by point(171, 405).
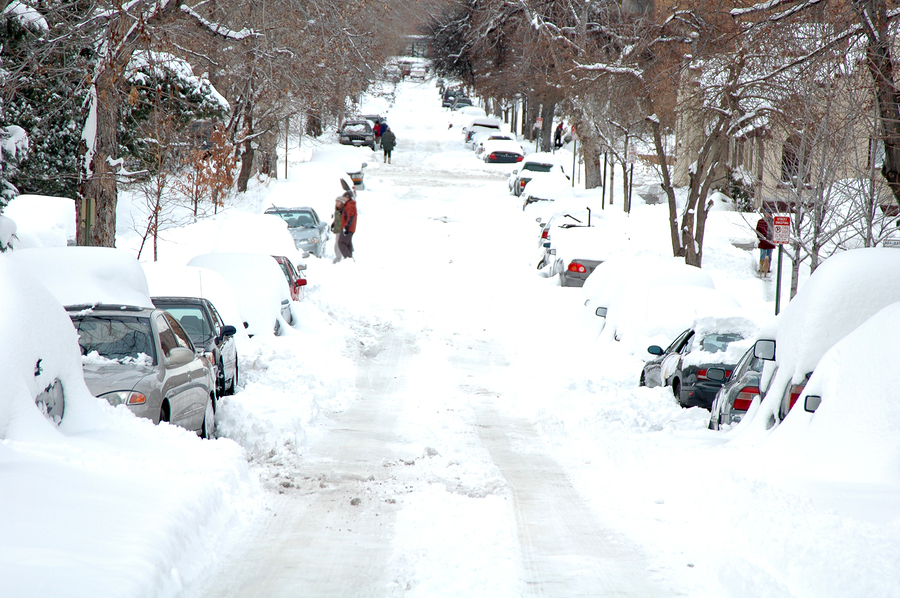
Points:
point(337, 227)
point(557, 137)
point(348, 224)
point(764, 234)
point(388, 142)
point(376, 130)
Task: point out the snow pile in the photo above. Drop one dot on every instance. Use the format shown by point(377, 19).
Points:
point(87, 275)
point(256, 233)
point(548, 186)
point(42, 221)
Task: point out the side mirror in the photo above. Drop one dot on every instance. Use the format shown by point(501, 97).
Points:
point(764, 349)
point(365, 164)
point(654, 350)
point(179, 356)
point(716, 374)
point(228, 330)
point(812, 403)
point(515, 171)
point(601, 311)
point(301, 267)
point(538, 219)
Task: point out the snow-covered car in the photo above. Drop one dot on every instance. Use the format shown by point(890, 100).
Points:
point(259, 287)
point(501, 151)
point(143, 359)
point(267, 234)
point(461, 117)
point(294, 279)
point(533, 166)
point(479, 140)
point(711, 342)
point(460, 102)
point(574, 242)
point(41, 365)
point(738, 391)
point(310, 233)
point(626, 275)
point(356, 132)
point(349, 159)
point(551, 186)
point(843, 292)
point(479, 124)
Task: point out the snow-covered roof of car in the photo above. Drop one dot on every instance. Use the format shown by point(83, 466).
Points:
point(502, 145)
point(543, 158)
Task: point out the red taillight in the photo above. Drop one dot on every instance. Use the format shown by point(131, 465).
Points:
point(796, 389)
point(576, 267)
point(493, 156)
point(519, 158)
point(545, 234)
point(745, 397)
point(701, 375)
point(522, 184)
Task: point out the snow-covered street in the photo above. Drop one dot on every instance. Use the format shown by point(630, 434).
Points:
point(439, 423)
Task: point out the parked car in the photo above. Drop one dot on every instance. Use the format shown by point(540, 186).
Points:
point(478, 124)
point(573, 244)
point(460, 102)
point(349, 160)
point(479, 140)
point(844, 291)
point(259, 285)
point(449, 97)
point(710, 343)
point(357, 132)
point(208, 331)
point(142, 358)
point(461, 117)
point(310, 233)
point(738, 391)
point(295, 281)
point(534, 165)
point(501, 151)
point(418, 73)
point(312, 184)
point(550, 186)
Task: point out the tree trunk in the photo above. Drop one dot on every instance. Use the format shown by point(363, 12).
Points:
point(548, 109)
point(593, 178)
point(677, 249)
point(247, 154)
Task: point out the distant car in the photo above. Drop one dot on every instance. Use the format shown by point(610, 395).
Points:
point(479, 140)
point(310, 233)
point(295, 281)
point(259, 285)
point(478, 124)
point(684, 364)
point(534, 165)
point(357, 132)
point(143, 359)
point(738, 391)
point(460, 102)
point(502, 151)
point(418, 73)
point(449, 97)
point(844, 291)
point(461, 117)
point(208, 331)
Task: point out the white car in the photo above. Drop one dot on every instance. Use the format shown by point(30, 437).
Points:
point(501, 151)
point(534, 165)
point(460, 118)
point(843, 292)
point(550, 186)
point(479, 140)
point(479, 124)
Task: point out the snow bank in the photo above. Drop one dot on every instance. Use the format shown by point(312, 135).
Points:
point(42, 221)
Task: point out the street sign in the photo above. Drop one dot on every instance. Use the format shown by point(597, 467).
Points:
point(538, 122)
point(574, 134)
point(782, 232)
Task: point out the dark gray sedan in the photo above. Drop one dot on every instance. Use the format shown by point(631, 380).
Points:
point(310, 233)
point(143, 359)
point(200, 319)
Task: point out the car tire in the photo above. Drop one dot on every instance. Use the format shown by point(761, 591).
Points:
point(220, 378)
point(643, 380)
point(676, 390)
point(164, 412)
point(208, 429)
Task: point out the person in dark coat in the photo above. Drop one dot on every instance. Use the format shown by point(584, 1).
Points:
point(348, 224)
point(764, 234)
point(557, 137)
point(388, 142)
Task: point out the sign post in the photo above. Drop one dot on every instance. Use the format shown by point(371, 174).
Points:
point(538, 124)
point(781, 234)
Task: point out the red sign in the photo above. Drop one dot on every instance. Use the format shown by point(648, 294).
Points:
point(782, 233)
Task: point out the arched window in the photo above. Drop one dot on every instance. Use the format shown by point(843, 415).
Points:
point(794, 161)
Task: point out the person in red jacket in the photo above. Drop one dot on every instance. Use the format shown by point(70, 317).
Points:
point(348, 225)
point(764, 234)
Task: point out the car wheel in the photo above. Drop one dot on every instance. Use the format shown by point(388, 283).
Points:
point(208, 430)
point(643, 380)
point(220, 379)
point(676, 390)
point(164, 412)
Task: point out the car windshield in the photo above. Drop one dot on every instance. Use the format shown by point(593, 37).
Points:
point(537, 167)
point(119, 337)
point(193, 320)
point(715, 342)
point(298, 219)
point(357, 128)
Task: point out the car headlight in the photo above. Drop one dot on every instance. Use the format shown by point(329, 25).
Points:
point(124, 397)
